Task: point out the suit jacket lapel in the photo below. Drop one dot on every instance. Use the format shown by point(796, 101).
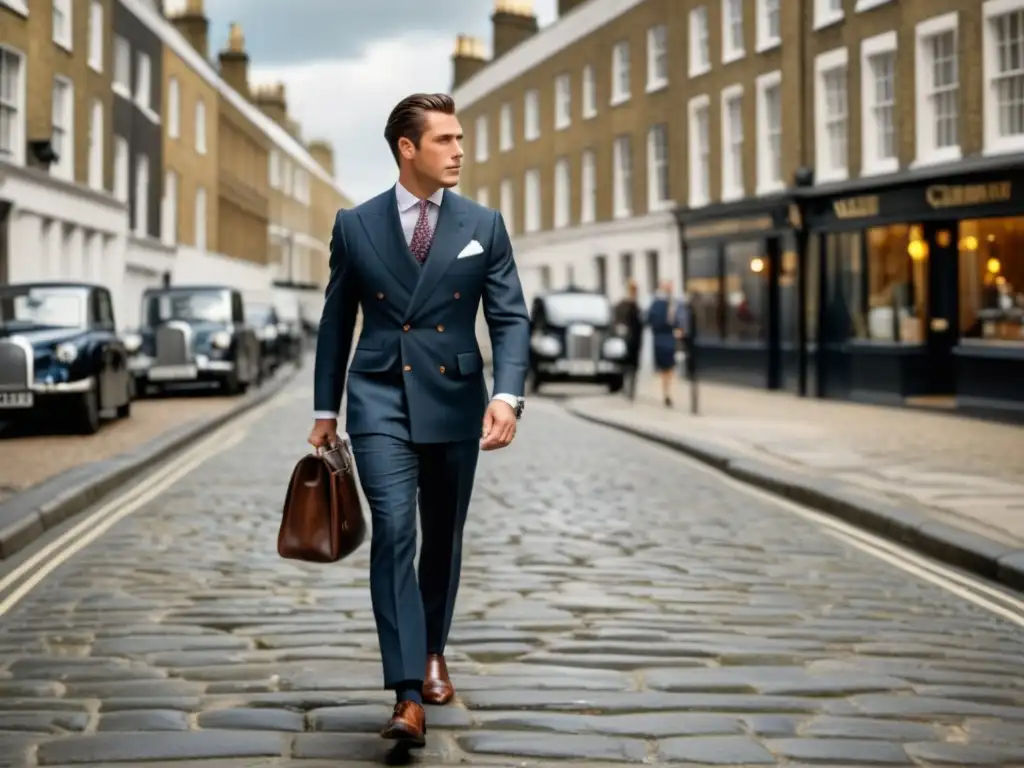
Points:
point(449, 237)
point(383, 228)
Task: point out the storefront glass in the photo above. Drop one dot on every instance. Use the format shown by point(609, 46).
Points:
point(746, 294)
point(991, 271)
point(704, 288)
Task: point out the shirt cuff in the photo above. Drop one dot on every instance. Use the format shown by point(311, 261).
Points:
point(324, 415)
point(512, 400)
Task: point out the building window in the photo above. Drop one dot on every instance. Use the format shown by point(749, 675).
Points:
point(169, 217)
point(122, 67)
point(62, 27)
point(700, 42)
point(769, 24)
point(173, 108)
point(588, 187)
point(622, 177)
point(121, 168)
point(732, 142)
point(657, 57)
point(144, 82)
point(481, 139)
point(483, 197)
point(657, 168)
point(620, 73)
point(63, 128)
point(938, 90)
point(142, 196)
point(200, 216)
point(830, 110)
point(97, 30)
point(274, 171)
point(769, 132)
point(531, 201)
point(732, 30)
point(878, 104)
point(563, 102)
point(96, 133)
point(201, 127)
point(12, 112)
point(700, 150)
point(1003, 51)
point(601, 274)
point(531, 115)
point(827, 12)
point(505, 140)
point(589, 93)
point(992, 281)
point(507, 204)
point(626, 267)
point(563, 193)
point(652, 265)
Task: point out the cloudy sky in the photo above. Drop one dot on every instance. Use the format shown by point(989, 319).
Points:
point(345, 63)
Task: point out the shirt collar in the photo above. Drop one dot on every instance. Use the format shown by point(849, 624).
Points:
point(407, 200)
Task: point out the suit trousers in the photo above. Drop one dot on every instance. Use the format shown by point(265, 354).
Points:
point(413, 615)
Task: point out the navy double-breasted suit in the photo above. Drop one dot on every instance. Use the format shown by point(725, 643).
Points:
point(417, 396)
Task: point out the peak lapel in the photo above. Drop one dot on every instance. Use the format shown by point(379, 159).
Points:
point(383, 227)
point(448, 240)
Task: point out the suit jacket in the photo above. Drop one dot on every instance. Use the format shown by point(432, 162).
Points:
point(417, 372)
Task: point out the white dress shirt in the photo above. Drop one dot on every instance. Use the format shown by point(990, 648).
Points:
point(409, 213)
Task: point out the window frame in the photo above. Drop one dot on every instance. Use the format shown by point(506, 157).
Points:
point(885, 43)
point(730, 51)
point(97, 35)
point(765, 41)
point(622, 176)
point(64, 168)
point(657, 57)
point(765, 185)
point(16, 154)
point(824, 64)
point(926, 151)
point(992, 142)
point(695, 151)
point(699, 29)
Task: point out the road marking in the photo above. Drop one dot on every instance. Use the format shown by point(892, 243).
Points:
point(50, 557)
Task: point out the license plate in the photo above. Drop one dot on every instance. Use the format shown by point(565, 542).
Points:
point(582, 367)
point(173, 373)
point(16, 399)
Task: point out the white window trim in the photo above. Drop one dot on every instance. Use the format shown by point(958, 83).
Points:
point(730, 54)
point(730, 193)
point(589, 83)
point(532, 211)
point(144, 87)
point(992, 143)
point(622, 193)
point(698, 68)
point(619, 96)
point(483, 196)
point(766, 186)
point(122, 89)
point(18, 6)
point(201, 221)
point(872, 46)
point(655, 83)
point(122, 169)
point(169, 212)
point(531, 115)
point(173, 108)
point(824, 17)
point(654, 202)
point(867, 5)
point(925, 154)
point(563, 193)
point(201, 119)
point(506, 128)
point(65, 166)
point(563, 119)
point(823, 63)
point(482, 140)
point(17, 156)
point(588, 187)
point(697, 103)
point(97, 145)
point(764, 42)
point(97, 32)
point(507, 204)
point(142, 195)
point(67, 41)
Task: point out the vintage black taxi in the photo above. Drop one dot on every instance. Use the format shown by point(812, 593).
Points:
point(60, 355)
point(194, 335)
point(573, 339)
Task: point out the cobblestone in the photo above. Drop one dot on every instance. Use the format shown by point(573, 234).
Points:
point(616, 606)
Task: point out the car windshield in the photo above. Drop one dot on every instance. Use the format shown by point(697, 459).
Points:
point(568, 308)
point(42, 307)
point(194, 306)
point(257, 314)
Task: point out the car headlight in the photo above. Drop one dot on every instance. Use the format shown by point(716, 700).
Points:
point(132, 342)
point(615, 348)
point(66, 352)
point(221, 340)
point(548, 346)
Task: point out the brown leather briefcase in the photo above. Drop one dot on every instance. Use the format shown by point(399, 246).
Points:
point(322, 521)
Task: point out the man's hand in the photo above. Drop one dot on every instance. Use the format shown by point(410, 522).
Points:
point(499, 426)
point(324, 433)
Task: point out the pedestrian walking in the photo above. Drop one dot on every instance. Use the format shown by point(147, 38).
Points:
point(629, 324)
point(666, 317)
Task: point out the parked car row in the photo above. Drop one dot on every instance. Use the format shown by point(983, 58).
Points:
point(61, 355)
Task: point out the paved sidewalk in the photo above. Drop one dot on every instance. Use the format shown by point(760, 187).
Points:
point(951, 471)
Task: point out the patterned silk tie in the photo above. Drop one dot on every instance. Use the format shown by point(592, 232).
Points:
point(422, 235)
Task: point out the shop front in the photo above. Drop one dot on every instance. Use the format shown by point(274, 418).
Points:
point(740, 275)
point(915, 287)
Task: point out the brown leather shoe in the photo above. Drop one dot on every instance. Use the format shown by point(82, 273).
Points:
point(408, 725)
point(437, 686)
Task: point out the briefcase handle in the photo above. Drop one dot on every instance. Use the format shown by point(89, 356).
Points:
point(338, 457)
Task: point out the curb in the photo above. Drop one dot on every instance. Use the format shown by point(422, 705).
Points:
point(28, 515)
point(908, 523)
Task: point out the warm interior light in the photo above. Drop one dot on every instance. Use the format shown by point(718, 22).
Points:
point(993, 266)
point(757, 264)
point(969, 243)
point(918, 250)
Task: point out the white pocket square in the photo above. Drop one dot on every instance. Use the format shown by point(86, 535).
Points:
point(472, 248)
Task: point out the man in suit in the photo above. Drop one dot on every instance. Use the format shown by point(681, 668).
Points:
point(419, 259)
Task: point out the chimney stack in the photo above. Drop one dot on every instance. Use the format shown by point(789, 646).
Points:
point(189, 18)
point(564, 6)
point(234, 61)
point(323, 153)
point(271, 101)
point(467, 59)
point(513, 21)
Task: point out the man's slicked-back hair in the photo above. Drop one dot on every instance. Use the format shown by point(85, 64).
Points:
point(409, 116)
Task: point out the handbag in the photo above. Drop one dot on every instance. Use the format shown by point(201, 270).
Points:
point(322, 519)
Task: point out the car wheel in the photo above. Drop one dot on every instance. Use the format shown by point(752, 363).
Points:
point(616, 384)
point(231, 385)
point(88, 416)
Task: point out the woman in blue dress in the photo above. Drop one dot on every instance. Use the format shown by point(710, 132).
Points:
point(666, 319)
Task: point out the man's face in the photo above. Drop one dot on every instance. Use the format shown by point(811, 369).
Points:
point(439, 157)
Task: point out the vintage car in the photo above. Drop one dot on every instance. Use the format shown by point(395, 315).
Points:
point(60, 355)
point(280, 340)
point(194, 335)
point(573, 339)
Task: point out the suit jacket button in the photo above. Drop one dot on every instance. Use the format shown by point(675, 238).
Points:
point(442, 369)
point(458, 295)
point(407, 368)
point(440, 329)
point(405, 327)
point(380, 295)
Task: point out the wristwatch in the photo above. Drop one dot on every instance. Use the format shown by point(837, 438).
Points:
point(520, 405)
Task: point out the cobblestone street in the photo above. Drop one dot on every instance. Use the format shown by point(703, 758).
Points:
point(617, 604)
